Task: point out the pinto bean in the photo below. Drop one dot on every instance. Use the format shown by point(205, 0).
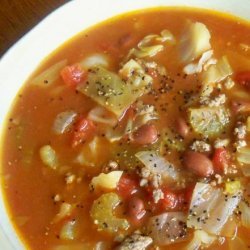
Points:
point(199, 163)
point(136, 209)
point(181, 127)
point(146, 134)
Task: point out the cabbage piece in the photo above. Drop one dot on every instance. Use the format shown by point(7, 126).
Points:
point(208, 121)
point(95, 60)
point(210, 208)
point(50, 75)
point(167, 228)
point(102, 214)
point(243, 156)
point(108, 181)
point(200, 239)
point(63, 121)
point(194, 41)
point(101, 115)
point(48, 156)
point(68, 231)
point(147, 50)
point(193, 68)
point(157, 164)
point(217, 72)
point(110, 91)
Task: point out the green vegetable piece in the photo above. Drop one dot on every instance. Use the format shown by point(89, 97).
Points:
point(208, 121)
point(48, 156)
point(102, 213)
point(171, 141)
point(110, 91)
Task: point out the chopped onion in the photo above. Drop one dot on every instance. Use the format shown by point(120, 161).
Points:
point(157, 164)
point(101, 115)
point(66, 210)
point(63, 121)
point(167, 228)
point(68, 231)
point(200, 239)
point(50, 75)
point(194, 41)
point(108, 181)
point(48, 156)
point(210, 208)
point(95, 60)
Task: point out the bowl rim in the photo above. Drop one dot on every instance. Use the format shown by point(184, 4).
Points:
point(22, 53)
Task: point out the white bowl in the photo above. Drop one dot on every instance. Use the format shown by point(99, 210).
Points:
point(19, 62)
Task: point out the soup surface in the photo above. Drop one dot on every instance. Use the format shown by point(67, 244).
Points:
point(135, 135)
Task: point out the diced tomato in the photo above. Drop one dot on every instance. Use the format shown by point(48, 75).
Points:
point(72, 75)
point(221, 159)
point(127, 186)
point(83, 130)
point(170, 200)
point(243, 78)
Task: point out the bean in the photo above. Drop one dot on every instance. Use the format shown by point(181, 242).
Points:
point(181, 127)
point(136, 209)
point(199, 163)
point(146, 134)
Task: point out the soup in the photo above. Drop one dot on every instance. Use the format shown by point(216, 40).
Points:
point(134, 135)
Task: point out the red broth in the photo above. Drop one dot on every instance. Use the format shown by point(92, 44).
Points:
point(45, 171)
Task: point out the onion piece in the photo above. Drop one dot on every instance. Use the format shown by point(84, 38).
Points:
point(63, 121)
point(101, 115)
point(245, 214)
point(170, 224)
point(108, 181)
point(210, 208)
point(50, 75)
point(157, 164)
point(95, 60)
point(48, 156)
point(200, 239)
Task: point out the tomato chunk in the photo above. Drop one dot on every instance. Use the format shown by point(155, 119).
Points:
point(127, 186)
point(170, 200)
point(243, 78)
point(83, 130)
point(74, 74)
point(220, 160)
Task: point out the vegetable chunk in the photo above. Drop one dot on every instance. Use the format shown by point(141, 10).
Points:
point(208, 121)
point(102, 214)
point(110, 91)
